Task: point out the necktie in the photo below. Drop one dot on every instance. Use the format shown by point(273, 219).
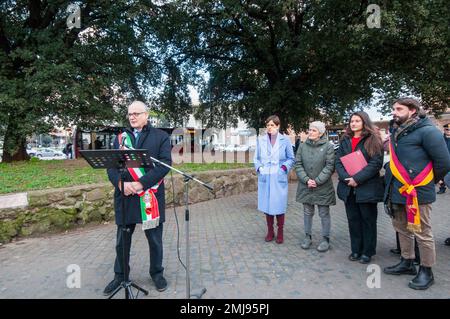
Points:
point(137, 135)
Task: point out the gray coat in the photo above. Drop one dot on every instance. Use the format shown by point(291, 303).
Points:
point(315, 160)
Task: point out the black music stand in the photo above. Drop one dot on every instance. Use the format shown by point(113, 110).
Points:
point(121, 160)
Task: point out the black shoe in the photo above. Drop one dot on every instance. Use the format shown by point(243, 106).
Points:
point(404, 267)
point(417, 261)
point(395, 251)
point(447, 241)
point(441, 191)
point(112, 286)
point(423, 280)
point(365, 259)
point(160, 283)
point(354, 256)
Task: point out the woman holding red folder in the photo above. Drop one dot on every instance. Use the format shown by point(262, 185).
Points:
point(363, 190)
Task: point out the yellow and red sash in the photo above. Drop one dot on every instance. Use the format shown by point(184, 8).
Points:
point(147, 198)
point(409, 188)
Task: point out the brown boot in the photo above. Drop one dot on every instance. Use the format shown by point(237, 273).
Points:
point(280, 224)
point(270, 232)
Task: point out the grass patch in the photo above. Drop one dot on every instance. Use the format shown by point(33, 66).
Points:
point(37, 174)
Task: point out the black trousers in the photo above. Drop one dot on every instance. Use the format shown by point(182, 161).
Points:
point(154, 238)
point(416, 247)
point(362, 225)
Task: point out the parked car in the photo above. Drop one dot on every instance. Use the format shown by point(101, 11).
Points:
point(31, 152)
point(48, 153)
point(231, 148)
point(242, 148)
point(219, 147)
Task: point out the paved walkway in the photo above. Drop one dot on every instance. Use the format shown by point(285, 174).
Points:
point(228, 257)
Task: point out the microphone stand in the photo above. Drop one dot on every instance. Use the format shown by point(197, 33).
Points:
point(187, 179)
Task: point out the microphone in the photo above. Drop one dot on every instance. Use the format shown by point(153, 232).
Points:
point(122, 145)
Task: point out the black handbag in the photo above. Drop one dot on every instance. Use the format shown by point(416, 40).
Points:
point(388, 204)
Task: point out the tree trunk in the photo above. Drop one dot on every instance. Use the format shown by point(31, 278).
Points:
point(14, 147)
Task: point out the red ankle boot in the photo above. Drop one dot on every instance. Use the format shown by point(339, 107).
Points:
point(270, 232)
point(280, 224)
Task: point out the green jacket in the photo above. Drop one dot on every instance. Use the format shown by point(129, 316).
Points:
point(315, 160)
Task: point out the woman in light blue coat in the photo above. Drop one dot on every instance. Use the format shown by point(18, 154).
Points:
point(274, 158)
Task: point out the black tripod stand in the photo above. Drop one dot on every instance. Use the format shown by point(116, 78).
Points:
point(187, 179)
point(121, 160)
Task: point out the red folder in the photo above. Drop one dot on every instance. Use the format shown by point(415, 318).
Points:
point(354, 162)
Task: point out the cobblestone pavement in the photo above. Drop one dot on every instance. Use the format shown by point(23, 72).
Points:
point(228, 254)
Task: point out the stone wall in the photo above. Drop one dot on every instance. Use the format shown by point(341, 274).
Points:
point(56, 210)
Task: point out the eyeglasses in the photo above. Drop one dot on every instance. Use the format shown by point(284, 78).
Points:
point(134, 114)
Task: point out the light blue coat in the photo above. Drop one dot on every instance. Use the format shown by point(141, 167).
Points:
point(272, 179)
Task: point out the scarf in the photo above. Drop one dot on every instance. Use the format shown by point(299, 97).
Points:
point(147, 198)
point(404, 127)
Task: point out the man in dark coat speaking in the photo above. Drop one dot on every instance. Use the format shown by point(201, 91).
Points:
point(144, 194)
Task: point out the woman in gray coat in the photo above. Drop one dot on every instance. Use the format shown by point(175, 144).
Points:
point(314, 166)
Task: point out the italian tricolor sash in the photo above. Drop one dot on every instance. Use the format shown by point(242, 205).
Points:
point(147, 198)
point(409, 188)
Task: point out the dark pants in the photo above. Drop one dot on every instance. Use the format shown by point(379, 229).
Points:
point(416, 247)
point(154, 238)
point(362, 225)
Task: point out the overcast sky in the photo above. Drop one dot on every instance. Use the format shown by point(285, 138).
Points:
point(375, 115)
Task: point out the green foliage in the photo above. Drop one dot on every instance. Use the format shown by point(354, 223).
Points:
point(300, 59)
point(310, 59)
point(33, 175)
point(52, 75)
point(38, 174)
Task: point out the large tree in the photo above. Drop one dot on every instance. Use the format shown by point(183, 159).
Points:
point(304, 59)
point(300, 59)
point(51, 74)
